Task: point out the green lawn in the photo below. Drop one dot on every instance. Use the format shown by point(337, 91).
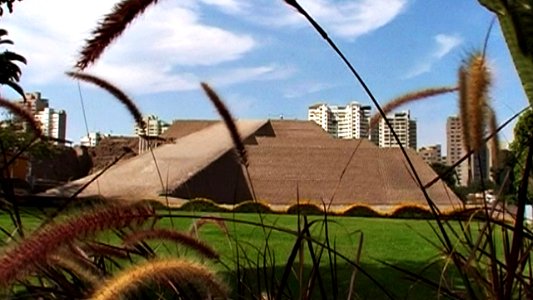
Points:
point(396, 241)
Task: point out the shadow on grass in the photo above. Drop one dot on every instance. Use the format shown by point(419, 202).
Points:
point(263, 282)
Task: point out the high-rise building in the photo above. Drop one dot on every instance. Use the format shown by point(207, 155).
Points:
point(455, 149)
point(479, 163)
point(153, 126)
point(34, 103)
point(53, 122)
point(404, 127)
point(343, 122)
point(431, 154)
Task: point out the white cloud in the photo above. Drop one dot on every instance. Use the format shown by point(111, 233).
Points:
point(232, 76)
point(352, 19)
point(145, 79)
point(419, 69)
point(347, 19)
point(444, 44)
point(306, 88)
point(229, 6)
point(165, 38)
point(240, 105)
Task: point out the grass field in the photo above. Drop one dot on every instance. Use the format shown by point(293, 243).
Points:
point(399, 242)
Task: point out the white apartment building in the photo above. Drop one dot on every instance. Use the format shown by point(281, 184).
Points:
point(404, 127)
point(53, 122)
point(154, 126)
point(455, 151)
point(91, 140)
point(343, 122)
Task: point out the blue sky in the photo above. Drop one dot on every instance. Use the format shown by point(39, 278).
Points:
point(260, 56)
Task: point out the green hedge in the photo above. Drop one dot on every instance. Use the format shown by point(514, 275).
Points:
point(408, 211)
point(155, 204)
point(202, 205)
point(253, 207)
point(412, 212)
point(466, 214)
point(361, 211)
point(305, 209)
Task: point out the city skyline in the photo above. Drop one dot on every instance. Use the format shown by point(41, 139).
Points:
point(262, 58)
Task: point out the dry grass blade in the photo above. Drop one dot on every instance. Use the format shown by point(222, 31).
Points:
point(478, 82)
point(24, 114)
point(110, 28)
point(172, 235)
point(180, 273)
point(410, 97)
point(228, 120)
point(196, 225)
point(38, 247)
point(113, 90)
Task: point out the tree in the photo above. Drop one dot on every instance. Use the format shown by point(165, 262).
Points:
point(523, 135)
point(9, 70)
point(516, 23)
point(448, 177)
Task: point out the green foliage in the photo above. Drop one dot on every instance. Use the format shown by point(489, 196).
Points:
point(361, 211)
point(523, 135)
point(13, 141)
point(8, 4)
point(202, 205)
point(411, 212)
point(516, 22)
point(305, 209)
point(252, 207)
point(448, 177)
point(9, 70)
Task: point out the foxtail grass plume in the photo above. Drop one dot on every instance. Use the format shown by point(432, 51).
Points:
point(228, 120)
point(113, 90)
point(24, 114)
point(34, 250)
point(478, 80)
point(101, 249)
point(463, 107)
point(110, 28)
point(409, 97)
point(182, 274)
point(171, 235)
point(199, 223)
point(83, 269)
